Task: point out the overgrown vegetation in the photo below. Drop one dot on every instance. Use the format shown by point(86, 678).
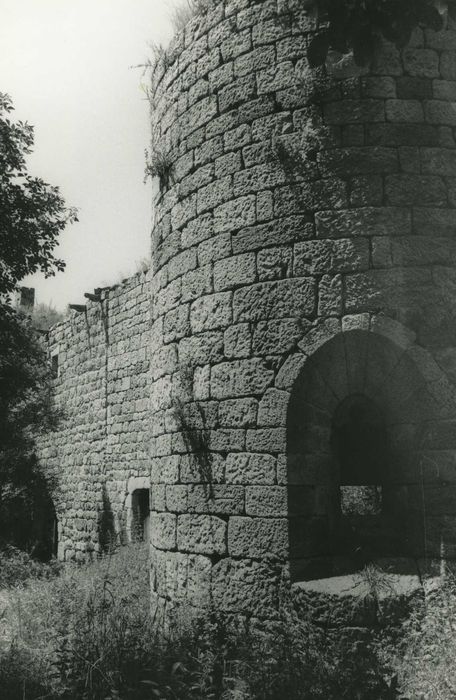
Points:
point(32, 213)
point(25, 410)
point(186, 10)
point(88, 635)
point(356, 25)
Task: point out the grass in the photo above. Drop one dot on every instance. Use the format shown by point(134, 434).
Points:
point(426, 663)
point(185, 10)
point(87, 634)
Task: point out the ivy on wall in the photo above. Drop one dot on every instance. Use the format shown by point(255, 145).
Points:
point(356, 25)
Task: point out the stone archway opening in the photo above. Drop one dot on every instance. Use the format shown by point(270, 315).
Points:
point(367, 459)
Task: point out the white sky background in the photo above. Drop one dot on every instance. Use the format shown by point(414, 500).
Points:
point(66, 65)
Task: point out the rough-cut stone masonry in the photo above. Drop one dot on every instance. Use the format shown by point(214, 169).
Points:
point(302, 307)
point(101, 443)
point(302, 408)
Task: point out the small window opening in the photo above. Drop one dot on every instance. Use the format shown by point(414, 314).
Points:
point(358, 441)
point(140, 505)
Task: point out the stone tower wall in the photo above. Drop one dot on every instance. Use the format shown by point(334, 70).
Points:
point(303, 252)
point(101, 395)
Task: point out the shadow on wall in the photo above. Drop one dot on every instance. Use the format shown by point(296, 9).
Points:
point(106, 527)
point(369, 459)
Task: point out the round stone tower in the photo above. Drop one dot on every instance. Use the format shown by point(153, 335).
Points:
point(304, 317)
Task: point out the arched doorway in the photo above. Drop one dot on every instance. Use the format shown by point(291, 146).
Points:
point(363, 425)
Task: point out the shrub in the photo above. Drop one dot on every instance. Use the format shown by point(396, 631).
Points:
point(17, 566)
point(425, 665)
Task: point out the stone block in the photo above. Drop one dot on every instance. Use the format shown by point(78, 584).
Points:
point(192, 471)
point(258, 537)
point(245, 586)
point(258, 177)
point(364, 221)
point(353, 111)
point(248, 468)
point(164, 470)
point(197, 230)
point(176, 498)
point(355, 161)
point(211, 312)
point(275, 233)
point(249, 63)
point(237, 138)
point(235, 271)
point(423, 63)
point(214, 194)
point(276, 336)
point(227, 164)
point(320, 257)
point(240, 378)
point(227, 439)
point(266, 440)
point(406, 189)
point(274, 263)
point(276, 77)
point(216, 248)
point(201, 349)
point(414, 88)
point(238, 341)
point(448, 65)
point(201, 534)
point(378, 87)
point(440, 112)
point(379, 289)
point(222, 499)
point(444, 90)
point(268, 300)
point(272, 409)
point(438, 161)
point(383, 135)
point(436, 222)
point(409, 111)
point(238, 91)
point(196, 283)
point(330, 293)
point(266, 501)
point(235, 214)
point(238, 413)
point(163, 530)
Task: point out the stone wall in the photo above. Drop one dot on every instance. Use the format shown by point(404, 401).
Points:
point(101, 393)
point(303, 254)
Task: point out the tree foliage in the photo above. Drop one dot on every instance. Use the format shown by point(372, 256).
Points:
point(356, 25)
point(32, 213)
point(25, 410)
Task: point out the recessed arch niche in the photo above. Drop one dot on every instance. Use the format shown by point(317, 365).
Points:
point(371, 457)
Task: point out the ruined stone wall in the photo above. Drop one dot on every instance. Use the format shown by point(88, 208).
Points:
point(101, 393)
point(303, 253)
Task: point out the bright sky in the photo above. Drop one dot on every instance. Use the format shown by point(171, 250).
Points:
point(66, 65)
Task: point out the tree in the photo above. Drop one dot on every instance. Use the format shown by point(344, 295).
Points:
point(32, 213)
point(356, 25)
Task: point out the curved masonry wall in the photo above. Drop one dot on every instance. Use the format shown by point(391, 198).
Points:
point(303, 252)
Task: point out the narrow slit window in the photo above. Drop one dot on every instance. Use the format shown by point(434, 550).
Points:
point(140, 504)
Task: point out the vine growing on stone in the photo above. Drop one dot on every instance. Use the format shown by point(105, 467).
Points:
point(356, 25)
